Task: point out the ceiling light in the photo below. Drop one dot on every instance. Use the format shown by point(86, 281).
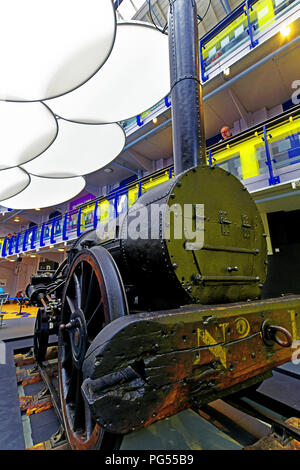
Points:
point(27, 129)
point(12, 260)
point(141, 52)
point(47, 191)
point(108, 170)
point(51, 246)
point(12, 182)
point(154, 120)
point(37, 209)
point(60, 249)
point(285, 31)
point(52, 47)
point(226, 71)
point(79, 149)
point(32, 256)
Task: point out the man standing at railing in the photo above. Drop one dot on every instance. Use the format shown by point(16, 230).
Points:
point(225, 133)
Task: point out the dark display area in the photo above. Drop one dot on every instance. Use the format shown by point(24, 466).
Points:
point(283, 271)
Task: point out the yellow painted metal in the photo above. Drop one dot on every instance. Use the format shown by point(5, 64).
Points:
point(87, 213)
point(229, 32)
point(264, 12)
point(103, 211)
point(133, 195)
point(155, 181)
point(248, 149)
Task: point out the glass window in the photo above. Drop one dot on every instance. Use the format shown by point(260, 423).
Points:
point(225, 41)
point(233, 165)
point(238, 31)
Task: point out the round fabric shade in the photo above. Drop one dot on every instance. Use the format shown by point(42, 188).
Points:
point(78, 149)
point(12, 182)
point(51, 47)
point(27, 129)
point(135, 77)
point(45, 192)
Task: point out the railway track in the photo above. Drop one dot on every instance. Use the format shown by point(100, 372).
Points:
point(253, 419)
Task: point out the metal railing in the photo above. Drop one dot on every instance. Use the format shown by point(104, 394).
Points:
point(248, 26)
point(260, 152)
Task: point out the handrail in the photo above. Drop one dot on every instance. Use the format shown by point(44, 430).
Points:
point(240, 31)
point(222, 154)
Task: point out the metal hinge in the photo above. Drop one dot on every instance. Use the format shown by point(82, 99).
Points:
point(246, 227)
point(225, 222)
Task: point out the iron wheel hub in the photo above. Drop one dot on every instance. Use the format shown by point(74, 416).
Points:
point(78, 337)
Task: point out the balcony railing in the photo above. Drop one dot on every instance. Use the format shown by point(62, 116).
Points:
point(259, 157)
point(248, 26)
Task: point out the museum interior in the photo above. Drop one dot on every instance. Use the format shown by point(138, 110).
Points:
point(149, 250)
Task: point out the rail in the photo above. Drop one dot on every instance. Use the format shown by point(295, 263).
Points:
point(248, 26)
point(257, 156)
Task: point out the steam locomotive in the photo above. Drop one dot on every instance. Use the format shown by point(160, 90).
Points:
point(150, 325)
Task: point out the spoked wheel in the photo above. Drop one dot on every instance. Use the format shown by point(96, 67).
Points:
point(94, 295)
point(41, 336)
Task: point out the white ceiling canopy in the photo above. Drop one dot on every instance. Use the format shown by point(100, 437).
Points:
point(135, 77)
point(45, 192)
point(27, 129)
point(12, 182)
point(79, 149)
point(51, 47)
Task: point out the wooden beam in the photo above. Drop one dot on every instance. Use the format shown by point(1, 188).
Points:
point(146, 367)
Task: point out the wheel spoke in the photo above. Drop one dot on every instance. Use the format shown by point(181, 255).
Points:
point(81, 276)
point(77, 291)
point(67, 359)
point(90, 284)
point(79, 415)
point(71, 304)
point(88, 420)
point(71, 394)
point(97, 309)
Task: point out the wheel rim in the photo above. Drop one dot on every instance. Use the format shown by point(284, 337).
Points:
point(85, 312)
point(41, 336)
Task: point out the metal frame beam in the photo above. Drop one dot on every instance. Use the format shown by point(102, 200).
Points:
point(145, 162)
point(226, 6)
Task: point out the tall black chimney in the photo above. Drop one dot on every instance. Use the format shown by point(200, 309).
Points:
point(186, 90)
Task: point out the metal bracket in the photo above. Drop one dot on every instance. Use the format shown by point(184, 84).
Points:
point(58, 438)
point(246, 227)
point(225, 223)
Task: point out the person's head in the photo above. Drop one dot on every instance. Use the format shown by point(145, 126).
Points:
point(225, 132)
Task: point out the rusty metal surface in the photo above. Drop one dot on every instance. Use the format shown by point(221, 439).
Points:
point(275, 442)
point(22, 360)
point(30, 376)
point(32, 405)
